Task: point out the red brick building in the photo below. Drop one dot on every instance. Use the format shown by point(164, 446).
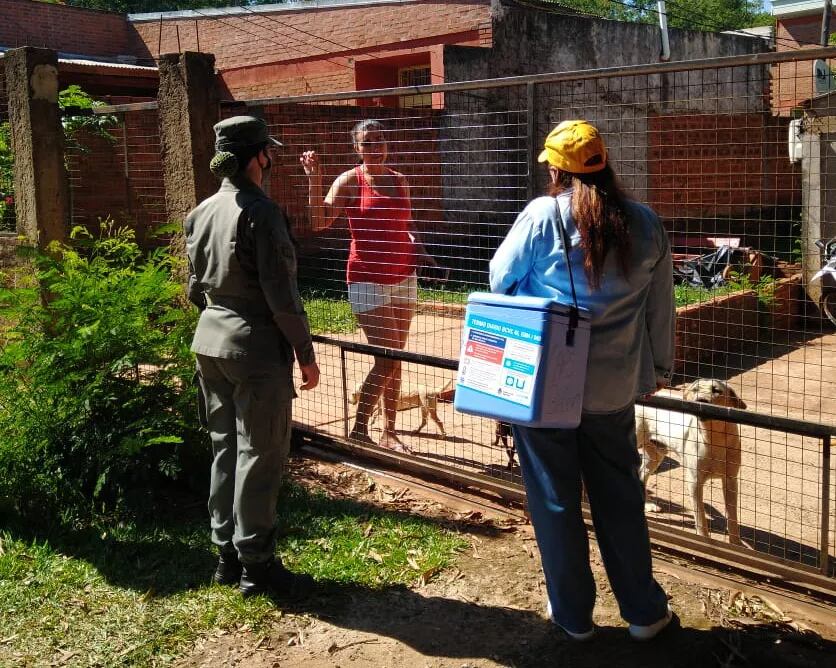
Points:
point(798, 26)
point(263, 51)
point(330, 45)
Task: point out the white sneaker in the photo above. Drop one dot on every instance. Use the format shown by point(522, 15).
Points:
point(580, 637)
point(649, 632)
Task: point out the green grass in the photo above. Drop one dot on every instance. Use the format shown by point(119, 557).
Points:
point(137, 594)
point(327, 315)
point(458, 296)
point(331, 314)
point(690, 294)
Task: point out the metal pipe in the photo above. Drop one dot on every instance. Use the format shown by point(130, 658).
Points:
point(345, 391)
point(825, 22)
point(824, 555)
point(575, 75)
point(531, 138)
point(703, 410)
point(665, 56)
point(753, 59)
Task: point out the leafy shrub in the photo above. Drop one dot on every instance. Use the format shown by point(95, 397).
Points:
point(77, 106)
point(96, 403)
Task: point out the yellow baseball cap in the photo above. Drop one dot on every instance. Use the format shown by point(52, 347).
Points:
point(575, 146)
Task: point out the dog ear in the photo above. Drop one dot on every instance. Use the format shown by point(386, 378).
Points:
point(691, 390)
point(736, 401)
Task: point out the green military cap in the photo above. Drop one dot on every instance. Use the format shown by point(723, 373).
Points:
point(240, 132)
point(233, 135)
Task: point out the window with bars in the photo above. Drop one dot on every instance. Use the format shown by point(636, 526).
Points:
point(415, 75)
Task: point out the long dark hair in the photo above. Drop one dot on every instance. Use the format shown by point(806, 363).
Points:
point(599, 212)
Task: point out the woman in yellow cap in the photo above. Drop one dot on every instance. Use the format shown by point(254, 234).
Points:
point(621, 262)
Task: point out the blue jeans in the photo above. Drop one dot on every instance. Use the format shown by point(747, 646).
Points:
point(602, 452)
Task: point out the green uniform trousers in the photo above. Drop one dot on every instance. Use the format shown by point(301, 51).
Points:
point(246, 408)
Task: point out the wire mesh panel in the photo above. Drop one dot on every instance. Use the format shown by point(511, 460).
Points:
point(115, 170)
point(453, 179)
point(707, 148)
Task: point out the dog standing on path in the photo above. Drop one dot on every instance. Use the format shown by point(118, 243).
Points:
point(421, 396)
point(705, 449)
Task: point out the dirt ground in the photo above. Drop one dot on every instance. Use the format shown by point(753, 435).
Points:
point(488, 609)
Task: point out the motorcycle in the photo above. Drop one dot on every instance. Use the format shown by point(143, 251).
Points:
point(826, 276)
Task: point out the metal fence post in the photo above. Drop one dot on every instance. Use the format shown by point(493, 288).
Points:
point(531, 138)
point(345, 392)
point(824, 557)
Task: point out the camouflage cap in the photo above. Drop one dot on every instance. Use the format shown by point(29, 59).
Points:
point(240, 132)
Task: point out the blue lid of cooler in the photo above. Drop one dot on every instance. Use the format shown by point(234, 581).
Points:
point(529, 303)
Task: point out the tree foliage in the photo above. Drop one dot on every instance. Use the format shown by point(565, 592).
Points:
point(141, 6)
point(706, 15)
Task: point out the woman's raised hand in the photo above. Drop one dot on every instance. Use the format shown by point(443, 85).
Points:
point(310, 163)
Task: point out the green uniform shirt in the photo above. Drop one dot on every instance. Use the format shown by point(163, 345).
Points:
point(242, 275)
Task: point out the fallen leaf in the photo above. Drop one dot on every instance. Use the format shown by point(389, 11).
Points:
point(374, 556)
point(769, 604)
point(412, 563)
point(428, 575)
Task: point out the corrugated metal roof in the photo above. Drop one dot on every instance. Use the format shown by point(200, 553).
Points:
point(85, 61)
point(289, 6)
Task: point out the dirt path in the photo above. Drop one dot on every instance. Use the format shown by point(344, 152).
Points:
point(488, 611)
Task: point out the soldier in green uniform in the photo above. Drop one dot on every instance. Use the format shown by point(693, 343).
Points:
point(242, 267)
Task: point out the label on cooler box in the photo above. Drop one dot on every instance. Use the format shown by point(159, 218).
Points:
point(500, 359)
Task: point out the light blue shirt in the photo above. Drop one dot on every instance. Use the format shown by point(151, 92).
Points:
point(633, 318)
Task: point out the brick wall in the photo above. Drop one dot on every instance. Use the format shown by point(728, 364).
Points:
point(66, 29)
point(793, 82)
point(104, 182)
point(719, 165)
point(246, 39)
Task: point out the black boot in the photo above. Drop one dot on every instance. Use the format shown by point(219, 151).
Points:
point(271, 577)
point(229, 569)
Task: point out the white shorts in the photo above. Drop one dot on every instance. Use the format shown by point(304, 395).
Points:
point(365, 297)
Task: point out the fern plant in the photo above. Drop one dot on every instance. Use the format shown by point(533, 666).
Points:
point(96, 404)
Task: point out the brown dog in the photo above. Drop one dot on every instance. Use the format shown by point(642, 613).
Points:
point(418, 396)
point(705, 448)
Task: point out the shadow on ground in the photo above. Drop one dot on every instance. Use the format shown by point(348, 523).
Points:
point(454, 629)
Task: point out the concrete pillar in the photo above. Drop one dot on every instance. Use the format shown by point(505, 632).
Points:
point(188, 109)
point(41, 185)
point(811, 209)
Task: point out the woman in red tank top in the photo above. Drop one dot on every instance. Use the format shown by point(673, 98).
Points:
point(382, 286)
